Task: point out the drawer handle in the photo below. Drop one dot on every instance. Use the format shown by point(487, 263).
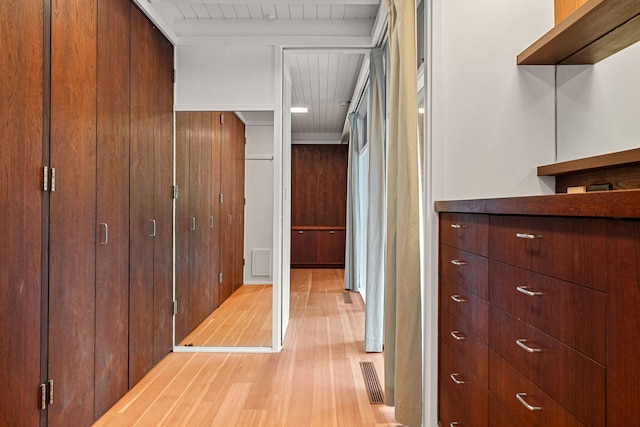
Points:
point(454, 378)
point(521, 343)
point(458, 262)
point(458, 226)
point(520, 397)
point(458, 298)
point(300, 232)
point(524, 290)
point(527, 236)
point(454, 423)
point(332, 232)
point(458, 335)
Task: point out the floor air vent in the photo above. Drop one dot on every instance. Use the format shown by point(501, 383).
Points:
point(347, 297)
point(376, 395)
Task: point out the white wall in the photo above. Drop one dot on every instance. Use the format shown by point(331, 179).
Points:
point(258, 232)
point(225, 78)
point(493, 122)
point(598, 106)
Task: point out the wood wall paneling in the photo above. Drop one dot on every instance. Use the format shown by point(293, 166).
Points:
point(182, 224)
point(112, 248)
point(72, 229)
point(216, 208)
point(21, 115)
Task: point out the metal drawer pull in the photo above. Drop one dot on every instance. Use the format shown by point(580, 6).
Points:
point(458, 335)
point(524, 290)
point(458, 262)
point(458, 298)
point(527, 236)
point(332, 232)
point(153, 228)
point(520, 397)
point(211, 222)
point(521, 343)
point(106, 233)
point(453, 423)
point(458, 226)
point(455, 379)
point(300, 232)
point(192, 223)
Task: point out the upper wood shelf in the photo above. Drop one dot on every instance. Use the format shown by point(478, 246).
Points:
point(596, 30)
point(620, 158)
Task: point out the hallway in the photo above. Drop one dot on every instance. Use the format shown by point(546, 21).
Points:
point(315, 381)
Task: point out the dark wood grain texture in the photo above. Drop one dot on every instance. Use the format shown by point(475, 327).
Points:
point(21, 124)
point(465, 345)
point(182, 233)
point(466, 269)
point(574, 380)
point(623, 341)
point(331, 247)
point(469, 309)
point(303, 247)
point(216, 208)
point(112, 248)
point(72, 267)
point(465, 231)
point(583, 310)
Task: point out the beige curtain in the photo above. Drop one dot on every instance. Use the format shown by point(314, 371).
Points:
point(403, 331)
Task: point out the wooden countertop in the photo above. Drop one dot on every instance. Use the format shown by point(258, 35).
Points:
point(607, 204)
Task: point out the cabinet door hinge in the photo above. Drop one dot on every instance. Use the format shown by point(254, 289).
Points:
point(220, 278)
point(221, 198)
point(46, 394)
point(221, 119)
point(174, 189)
point(175, 307)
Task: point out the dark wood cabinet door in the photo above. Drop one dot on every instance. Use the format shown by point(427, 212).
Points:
point(143, 224)
point(469, 232)
point(112, 248)
point(331, 247)
point(72, 229)
point(227, 171)
point(215, 209)
point(623, 319)
point(303, 246)
point(21, 117)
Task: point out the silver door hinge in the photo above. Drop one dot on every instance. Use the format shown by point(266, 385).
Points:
point(48, 178)
point(175, 307)
point(174, 189)
point(221, 198)
point(220, 278)
point(221, 119)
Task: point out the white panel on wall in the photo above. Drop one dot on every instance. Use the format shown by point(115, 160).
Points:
point(259, 193)
point(224, 78)
point(261, 262)
point(493, 122)
point(598, 106)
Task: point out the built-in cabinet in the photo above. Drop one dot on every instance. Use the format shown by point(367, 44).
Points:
point(318, 205)
point(538, 319)
point(86, 173)
point(209, 213)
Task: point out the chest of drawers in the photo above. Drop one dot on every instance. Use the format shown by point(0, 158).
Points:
point(539, 321)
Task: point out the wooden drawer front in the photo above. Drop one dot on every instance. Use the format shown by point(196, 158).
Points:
point(467, 392)
point(575, 381)
point(498, 415)
point(465, 269)
point(570, 313)
point(449, 412)
point(465, 231)
point(470, 310)
point(570, 249)
point(466, 346)
point(506, 382)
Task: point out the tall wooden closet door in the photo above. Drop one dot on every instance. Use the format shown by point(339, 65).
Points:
point(21, 113)
point(143, 224)
point(112, 249)
point(162, 101)
point(227, 183)
point(182, 324)
point(239, 202)
point(215, 209)
point(73, 212)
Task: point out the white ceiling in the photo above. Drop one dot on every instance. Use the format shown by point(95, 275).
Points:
point(321, 81)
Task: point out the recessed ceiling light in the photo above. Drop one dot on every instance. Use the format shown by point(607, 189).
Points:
point(299, 110)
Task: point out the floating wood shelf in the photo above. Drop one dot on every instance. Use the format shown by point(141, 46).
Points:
point(621, 170)
point(596, 30)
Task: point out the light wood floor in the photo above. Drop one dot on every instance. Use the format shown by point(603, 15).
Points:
point(243, 320)
point(315, 381)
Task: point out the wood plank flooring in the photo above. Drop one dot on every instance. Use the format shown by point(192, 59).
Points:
point(315, 381)
point(243, 320)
